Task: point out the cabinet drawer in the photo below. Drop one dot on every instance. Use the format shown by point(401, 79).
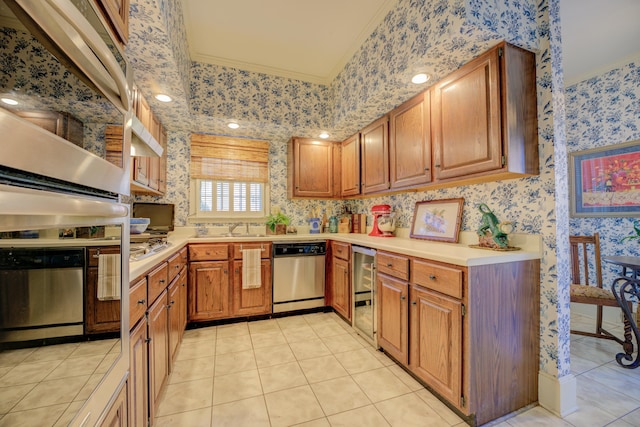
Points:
point(341, 250)
point(157, 282)
point(393, 265)
point(176, 263)
point(137, 301)
point(265, 246)
point(217, 252)
point(446, 280)
point(92, 254)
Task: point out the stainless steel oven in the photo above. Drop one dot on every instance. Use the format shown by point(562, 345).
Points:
point(44, 241)
point(41, 292)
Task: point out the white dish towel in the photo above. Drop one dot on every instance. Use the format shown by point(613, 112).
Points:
point(109, 277)
point(251, 274)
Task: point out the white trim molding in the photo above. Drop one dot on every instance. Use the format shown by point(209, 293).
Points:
point(557, 395)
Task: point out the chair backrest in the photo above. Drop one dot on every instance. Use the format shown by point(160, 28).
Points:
point(585, 260)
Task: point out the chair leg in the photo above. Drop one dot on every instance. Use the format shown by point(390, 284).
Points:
point(599, 329)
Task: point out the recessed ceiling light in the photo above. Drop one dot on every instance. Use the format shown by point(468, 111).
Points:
point(9, 101)
point(233, 125)
point(163, 98)
point(324, 135)
point(420, 78)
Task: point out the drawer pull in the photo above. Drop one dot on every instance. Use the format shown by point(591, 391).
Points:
point(389, 264)
point(142, 301)
point(402, 297)
point(161, 281)
point(432, 276)
point(178, 267)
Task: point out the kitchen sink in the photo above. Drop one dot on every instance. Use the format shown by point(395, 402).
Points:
point(228, 235)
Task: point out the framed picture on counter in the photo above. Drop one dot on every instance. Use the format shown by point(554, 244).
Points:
point(437, 220)
point(605, 181)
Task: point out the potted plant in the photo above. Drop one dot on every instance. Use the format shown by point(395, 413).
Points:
point(277, 223)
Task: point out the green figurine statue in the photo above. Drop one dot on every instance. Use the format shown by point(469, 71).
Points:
point(490, 232)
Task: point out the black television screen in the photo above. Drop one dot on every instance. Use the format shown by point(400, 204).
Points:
point(160, 214)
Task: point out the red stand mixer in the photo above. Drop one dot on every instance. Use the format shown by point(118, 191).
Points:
point(384, 221)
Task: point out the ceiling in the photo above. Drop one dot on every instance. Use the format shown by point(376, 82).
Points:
point(597, 36)
point(312, 40)
point(308, 40)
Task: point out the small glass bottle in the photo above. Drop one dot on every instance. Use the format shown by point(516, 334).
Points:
point(333, 224)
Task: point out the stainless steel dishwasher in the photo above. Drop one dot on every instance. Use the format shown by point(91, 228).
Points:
point(298, 275)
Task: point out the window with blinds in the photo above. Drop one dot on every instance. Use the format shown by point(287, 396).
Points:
point(230, 177)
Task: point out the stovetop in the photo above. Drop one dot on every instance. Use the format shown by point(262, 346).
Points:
point(143, 249)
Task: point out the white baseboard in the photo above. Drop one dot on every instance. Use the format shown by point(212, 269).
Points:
point(557, 395)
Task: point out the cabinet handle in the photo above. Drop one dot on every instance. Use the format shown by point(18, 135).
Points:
point(389, 265)
point(237, 271)
point(142, 301)
point(178, 267)
point(432, 276)
point(147, 340)
point(413, 303)
point(402, 297)
point(426, 169)
point(161, 281)
point(172, 302)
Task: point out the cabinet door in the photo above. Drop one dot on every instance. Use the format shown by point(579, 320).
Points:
point(174, 321)
point(375, 156)
point(312, 168)
point(350, 167)
point(138, 369)
point(410, 143)
point(341, 289)
point(208, 290)
point(162, 179)
point(140, 170)
point(100, 316)
point(466, 119)
point(393, 317)
point(117, 13)
point(158, 351)
point(253, 300)
point(117, 414)
point(436, 342)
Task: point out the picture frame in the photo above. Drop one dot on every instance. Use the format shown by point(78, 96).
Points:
point(437, 220)
point(605, 181)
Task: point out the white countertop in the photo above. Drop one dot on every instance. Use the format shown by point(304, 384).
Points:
point(452, 253)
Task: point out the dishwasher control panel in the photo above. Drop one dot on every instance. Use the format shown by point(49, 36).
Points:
point(299, 249)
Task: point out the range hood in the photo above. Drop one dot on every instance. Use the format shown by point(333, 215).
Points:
point(143, 144)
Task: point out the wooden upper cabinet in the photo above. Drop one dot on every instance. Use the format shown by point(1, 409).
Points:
point(484, 117)
point(116, 12)
point(350, 166)
point(375, 156)
point(311, 168)
point(410, 143)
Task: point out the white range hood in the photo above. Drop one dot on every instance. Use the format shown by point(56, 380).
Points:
point(143, 144)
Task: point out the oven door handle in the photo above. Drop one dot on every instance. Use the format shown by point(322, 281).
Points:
point(80, 42)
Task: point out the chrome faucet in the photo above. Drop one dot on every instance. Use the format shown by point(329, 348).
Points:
point(233, 227)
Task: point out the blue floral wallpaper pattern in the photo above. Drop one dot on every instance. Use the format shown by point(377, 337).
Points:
point(604, 111)
point(437, 36)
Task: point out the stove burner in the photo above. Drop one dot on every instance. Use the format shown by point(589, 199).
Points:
point(142, 250)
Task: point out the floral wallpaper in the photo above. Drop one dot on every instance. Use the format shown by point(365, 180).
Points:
point(436, 36)
point(605, 111)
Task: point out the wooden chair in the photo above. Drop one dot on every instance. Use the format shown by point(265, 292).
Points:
point(583, 288)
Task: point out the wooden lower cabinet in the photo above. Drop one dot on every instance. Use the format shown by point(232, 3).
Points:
point(473, 330)
point(341, 287)
point(138, 376)
point(209, 290)
point(436, 342)
point(99, 316)
point(117, 415)
point(393, 324)
point(214, 294)
point(252, 301)
point(158, 350)
point(177, 306)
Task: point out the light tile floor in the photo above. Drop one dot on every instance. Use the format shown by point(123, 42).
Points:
point(309, 370)
point(313, 370)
